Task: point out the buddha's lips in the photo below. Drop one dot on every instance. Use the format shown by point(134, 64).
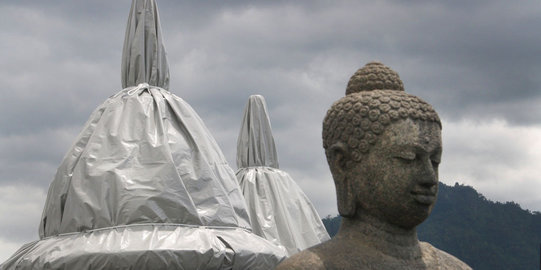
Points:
point(424, 197)
point(424, 192)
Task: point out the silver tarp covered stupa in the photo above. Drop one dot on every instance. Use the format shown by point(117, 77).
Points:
point(279, 210)
point(145, 185)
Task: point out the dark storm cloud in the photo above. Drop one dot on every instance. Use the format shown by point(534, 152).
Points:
point(467, 59)
point(492, 57)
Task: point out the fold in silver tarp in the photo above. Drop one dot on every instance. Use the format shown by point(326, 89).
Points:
point(145, 185)
point(143, 157)
point(279, 210)
point(255, 145)
point(144, 59)
point(149, 246)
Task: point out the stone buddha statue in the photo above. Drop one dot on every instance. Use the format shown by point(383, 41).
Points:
point(383, 147)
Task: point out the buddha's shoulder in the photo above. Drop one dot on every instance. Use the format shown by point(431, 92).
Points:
point(439, 259)
point(331, 254)
point(304, 260)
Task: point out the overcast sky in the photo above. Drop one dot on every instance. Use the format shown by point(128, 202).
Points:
point(476, 62)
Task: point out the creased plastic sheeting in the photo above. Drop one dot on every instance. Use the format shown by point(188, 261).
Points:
point(279, 210)
point(150, 246)
point(144, 156)
point(255, 145)
point(144, 59)
point(144, 180)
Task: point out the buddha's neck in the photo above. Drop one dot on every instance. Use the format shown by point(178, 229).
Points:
point(391, 240)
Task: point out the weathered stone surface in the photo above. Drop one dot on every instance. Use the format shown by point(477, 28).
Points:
point(383, 147)
point(374, 76)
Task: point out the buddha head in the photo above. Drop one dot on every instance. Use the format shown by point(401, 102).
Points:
point(383, 147)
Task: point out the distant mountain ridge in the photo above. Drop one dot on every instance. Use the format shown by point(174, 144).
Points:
point(482, 233)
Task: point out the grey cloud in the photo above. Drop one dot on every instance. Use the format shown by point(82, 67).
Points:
point(466, 60)
point(21, 208)
point(32, 159)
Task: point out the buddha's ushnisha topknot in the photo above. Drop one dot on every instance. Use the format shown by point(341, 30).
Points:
point(374, 76)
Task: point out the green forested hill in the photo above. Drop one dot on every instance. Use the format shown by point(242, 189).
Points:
point(482, 233)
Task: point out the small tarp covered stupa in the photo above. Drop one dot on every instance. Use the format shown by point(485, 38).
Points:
point(279, 210)
point(145, 185)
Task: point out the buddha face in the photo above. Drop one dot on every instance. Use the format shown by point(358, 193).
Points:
point(397, 182)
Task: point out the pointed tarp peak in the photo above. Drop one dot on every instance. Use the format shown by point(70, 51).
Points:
point(255, 145)
point(144, 58)
point(279, 210)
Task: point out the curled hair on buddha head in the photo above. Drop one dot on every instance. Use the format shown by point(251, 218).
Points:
point(375, 98)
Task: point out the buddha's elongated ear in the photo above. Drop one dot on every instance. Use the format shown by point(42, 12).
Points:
point(339, 156)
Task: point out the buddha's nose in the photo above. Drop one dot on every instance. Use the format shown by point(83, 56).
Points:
point(428, 177)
